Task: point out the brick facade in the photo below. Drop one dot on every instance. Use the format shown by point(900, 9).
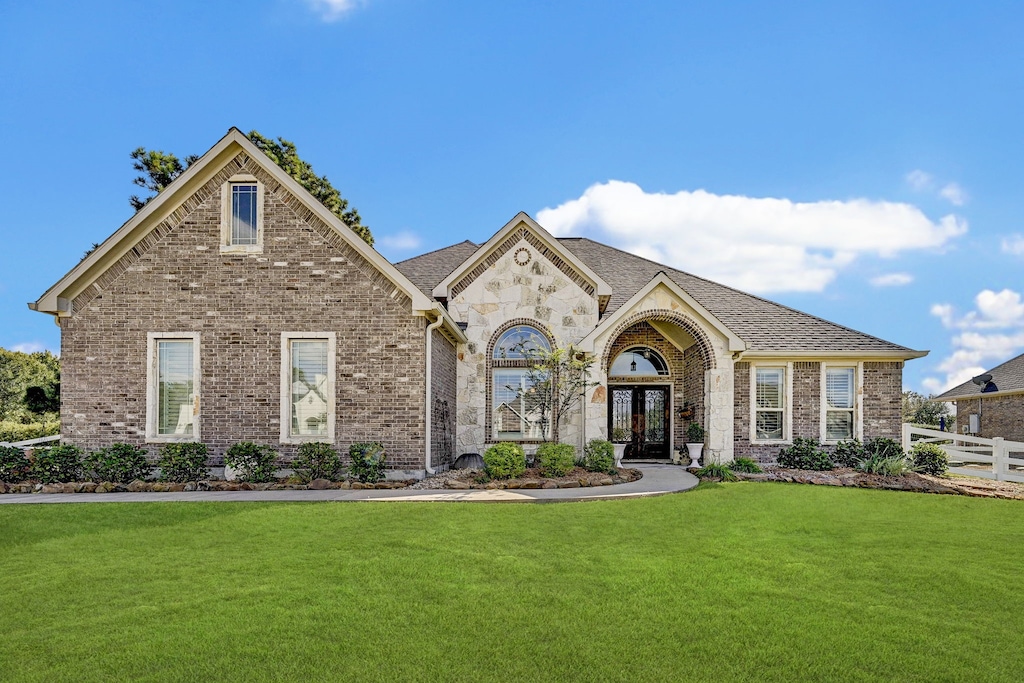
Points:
point(883, 406)
point(443, 380)
point(998, 415)
point(308, 279)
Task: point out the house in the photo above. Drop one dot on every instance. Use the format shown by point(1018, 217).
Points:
point(235, 307)
point(991, 404)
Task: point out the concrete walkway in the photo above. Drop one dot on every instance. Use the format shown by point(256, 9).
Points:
point(657, 480)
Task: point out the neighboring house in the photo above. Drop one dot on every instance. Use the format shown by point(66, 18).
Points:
point(235, 307)
point(991, 404)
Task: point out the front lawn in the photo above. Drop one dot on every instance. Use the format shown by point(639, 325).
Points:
point(727, 582)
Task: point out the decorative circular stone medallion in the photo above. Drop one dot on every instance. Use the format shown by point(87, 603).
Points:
point(522, 256)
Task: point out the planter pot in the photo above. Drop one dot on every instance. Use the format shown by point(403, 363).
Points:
point(694, 449)
point(620, 450)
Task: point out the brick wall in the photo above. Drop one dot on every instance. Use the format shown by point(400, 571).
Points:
point(443, 387)
point(806, 399)
point(999, 415)
point(883, 405)
point(308, 279)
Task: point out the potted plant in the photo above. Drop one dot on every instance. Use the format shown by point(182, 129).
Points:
point(694, 442)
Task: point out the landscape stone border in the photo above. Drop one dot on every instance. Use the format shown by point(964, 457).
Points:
point(139, 486)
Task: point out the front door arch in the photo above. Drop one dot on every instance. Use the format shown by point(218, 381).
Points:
point(639, 416)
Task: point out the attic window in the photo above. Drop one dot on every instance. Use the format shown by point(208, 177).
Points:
point(242, 225)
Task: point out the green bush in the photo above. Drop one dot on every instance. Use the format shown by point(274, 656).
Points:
point(849, 453)
point(884, 448)
point(556, 459)
point(57, 464)
point(745, 465)
point(929, 458)
point(504, 460)
point(253, 462)
point(599, 456)
point(119, 462)
point(317, 460)
point(715, 470)
point(694, 433)
point(367, 461)
point(886, 465)
point(13, 432)
point(805, 454)
point(14, 464)
point(183, 462)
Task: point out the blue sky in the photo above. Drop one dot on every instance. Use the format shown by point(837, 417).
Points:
point(859, 161)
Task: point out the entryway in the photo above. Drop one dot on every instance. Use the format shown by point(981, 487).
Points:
point(639, 416)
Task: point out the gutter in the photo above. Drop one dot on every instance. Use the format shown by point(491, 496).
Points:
point(428, 388)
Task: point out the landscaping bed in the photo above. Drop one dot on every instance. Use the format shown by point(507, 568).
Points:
point(140, 486)
point(530, 479)
point(911, 481)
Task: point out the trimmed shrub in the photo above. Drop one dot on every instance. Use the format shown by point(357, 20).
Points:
point(805, 454)
point(57, 464)
point(929, 458)
point(120, 462)
point(183, 462)
point(745, 465)
point(14, 432)
point(556, 459)
point(317, 460)
point(849, 453)
point(694, 433)
point(367, 461)
point(886, 465)
point(599, 456)
point(253, 462)
point(504, 460)
point(14, 464)
point(716, 470)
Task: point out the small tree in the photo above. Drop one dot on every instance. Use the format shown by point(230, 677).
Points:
point(925, 410)
point(558, 379)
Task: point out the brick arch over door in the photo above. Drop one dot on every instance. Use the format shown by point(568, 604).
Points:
point(682, 320)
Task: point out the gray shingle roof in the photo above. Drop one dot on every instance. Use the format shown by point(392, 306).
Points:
point(1007, 377)
point(764, 325)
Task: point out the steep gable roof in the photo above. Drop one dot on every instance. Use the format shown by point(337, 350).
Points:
point(765, 326)
point(426, 270)
point(169, 204)
point(1008, 377)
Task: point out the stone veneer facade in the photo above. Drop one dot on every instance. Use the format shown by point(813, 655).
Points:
point(307, 279)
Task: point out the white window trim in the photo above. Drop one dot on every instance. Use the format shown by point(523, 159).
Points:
point(226, 247)
point(787, 408)
point(152, 391)
point(858, 400)
point(286, 387)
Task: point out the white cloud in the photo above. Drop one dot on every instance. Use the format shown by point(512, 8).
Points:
point(919, 180)
point(977, 348)
point(892, 280)
point(402, 241)
point(954, 194)
point(332, 10)
point(28, 347)
point(757, 244)
point(1013, 245)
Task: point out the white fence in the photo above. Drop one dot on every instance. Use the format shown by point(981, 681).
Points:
point(32, 442)
point(972, 455)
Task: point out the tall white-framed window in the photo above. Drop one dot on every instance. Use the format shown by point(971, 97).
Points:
point(515, 405)
point(308, 402)
point(839, 403)
point(771, 391)
point(172, 386)
point(242, 214)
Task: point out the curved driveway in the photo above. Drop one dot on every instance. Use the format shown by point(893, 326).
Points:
point(657, 480)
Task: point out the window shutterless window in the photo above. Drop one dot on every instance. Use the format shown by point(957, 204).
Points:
point(839, 403)
point(244, 222)
point(307, 387)
point(172, 404)
point(516, 408)
point(770, 403)
point(242, 226)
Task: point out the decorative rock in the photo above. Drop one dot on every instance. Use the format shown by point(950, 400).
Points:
point(4, 488)
point(104, 487)
point(358, 486)
point(492, 485)
point(245, 486)
point(137, 486)
point(265, 486)
point(191, 486)
point(604, 481)
point(38, 488)
point(88, 486)
point(71, 487)
point(345, 485)
point(202, 486)
point(549, 485)
point(569, 485)
point(459, 485)
point(119, 488)
point(584, 482)
point(530, 485)
point(52, 488)
point(514, 484)
point(176, 487)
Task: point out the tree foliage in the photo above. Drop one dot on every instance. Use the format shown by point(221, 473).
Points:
point(29, 386)
point(159, 169)
point(924, 410)
point(558, 380)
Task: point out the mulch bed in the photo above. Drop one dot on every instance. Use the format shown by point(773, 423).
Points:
point(530, 479)
point(922, 483)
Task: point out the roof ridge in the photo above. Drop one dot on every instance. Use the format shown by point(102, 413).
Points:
point(740, 291)
point(428, 253)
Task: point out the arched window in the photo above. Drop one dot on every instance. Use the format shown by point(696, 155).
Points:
point(516, 414)
point(639, 361)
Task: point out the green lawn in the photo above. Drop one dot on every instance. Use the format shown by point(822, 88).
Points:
point(726, 582)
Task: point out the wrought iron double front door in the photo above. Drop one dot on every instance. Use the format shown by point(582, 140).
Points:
point(639, 417)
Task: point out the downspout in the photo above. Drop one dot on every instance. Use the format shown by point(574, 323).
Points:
point(428, 388)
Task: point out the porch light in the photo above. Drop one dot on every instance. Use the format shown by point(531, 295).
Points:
point(632, 366)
